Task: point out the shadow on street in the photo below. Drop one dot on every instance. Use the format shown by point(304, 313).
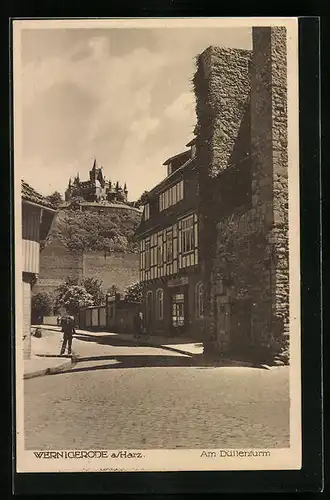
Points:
point(139, 361)
point(116, 341)
point(112, 340)
point(136, 361)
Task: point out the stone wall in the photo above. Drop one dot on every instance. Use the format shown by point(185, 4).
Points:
point(269, 147)
point(245, 253)
point(57, 263)
point(120, 269)
point(222, 88)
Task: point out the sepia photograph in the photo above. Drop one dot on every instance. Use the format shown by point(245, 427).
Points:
point(157, 266)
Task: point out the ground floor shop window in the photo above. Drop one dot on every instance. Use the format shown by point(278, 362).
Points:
point(178, 310)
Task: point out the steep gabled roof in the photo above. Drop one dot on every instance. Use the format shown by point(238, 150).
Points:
point(192, 142)
point(185, 155)
point(32, 196)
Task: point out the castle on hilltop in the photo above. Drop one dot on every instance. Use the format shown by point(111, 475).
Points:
point(96, 189)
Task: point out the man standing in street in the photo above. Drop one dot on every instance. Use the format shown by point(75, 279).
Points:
point(68, 331)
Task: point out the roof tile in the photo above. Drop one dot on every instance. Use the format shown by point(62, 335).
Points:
point(29, 194)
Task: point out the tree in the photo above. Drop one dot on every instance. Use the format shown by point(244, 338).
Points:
point(63, 289)
point(88, 231)
point(55, 198)
point(74, 298)
point(143, 198)
point(94, 287)
point(134, 293)
point(41, 304)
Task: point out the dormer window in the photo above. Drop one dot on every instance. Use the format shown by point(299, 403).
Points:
point(193, 150)
point(171, 196)
point(146, 211)
point(169, 169)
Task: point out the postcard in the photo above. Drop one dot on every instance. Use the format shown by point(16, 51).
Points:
point(157, 265)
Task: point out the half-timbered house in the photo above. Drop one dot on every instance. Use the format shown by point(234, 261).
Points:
point(169, 250)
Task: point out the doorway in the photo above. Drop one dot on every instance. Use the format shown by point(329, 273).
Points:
point(223, 317)
point(178, 312)
point(242, 337)
point(149, 310)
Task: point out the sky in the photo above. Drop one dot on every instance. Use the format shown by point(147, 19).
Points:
point(122, 96)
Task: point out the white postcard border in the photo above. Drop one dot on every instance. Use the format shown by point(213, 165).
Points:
point(170, 460)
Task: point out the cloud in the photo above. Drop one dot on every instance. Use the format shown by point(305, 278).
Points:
point(120, 95)
point(142, 128)
point(182, 108)
point(98, 46)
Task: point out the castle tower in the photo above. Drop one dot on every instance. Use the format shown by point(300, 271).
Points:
point(125, 193)
point(92, 172)
point(67, 194)
point(76, 180)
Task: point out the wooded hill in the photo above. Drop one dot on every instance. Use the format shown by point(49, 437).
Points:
point(88, 231)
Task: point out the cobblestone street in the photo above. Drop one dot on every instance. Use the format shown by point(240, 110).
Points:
point(124, 396)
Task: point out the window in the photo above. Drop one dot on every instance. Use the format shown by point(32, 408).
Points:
point(187, 235)
point(193, 150)
point(171, 196)
point(147, 257)
point(181, 190)
point(169, 169)
point(160, 303)
point(160, 250)
point(199, 304)
point(149, 307)
point(169, 246)
point(146, 211)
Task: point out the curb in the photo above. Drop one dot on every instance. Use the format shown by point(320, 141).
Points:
point(51, 371)
point(161, 346)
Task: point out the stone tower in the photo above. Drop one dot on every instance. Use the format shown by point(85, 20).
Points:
point(241, 130)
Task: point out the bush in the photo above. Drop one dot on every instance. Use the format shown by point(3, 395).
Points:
point(41, 304)
point(134, 293)
point(94, 287)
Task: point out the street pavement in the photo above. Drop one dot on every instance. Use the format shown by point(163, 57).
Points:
point(124, 396)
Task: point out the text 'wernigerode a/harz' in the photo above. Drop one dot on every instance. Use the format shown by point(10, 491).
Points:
point(88, 454)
